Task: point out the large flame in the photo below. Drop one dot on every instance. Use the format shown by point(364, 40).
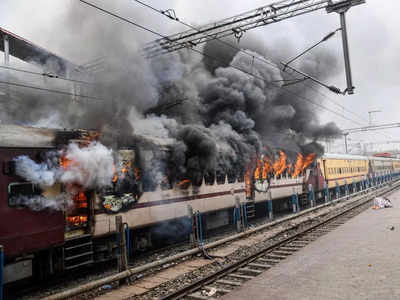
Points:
point(257, 171)
point(280, 165)
point(78, 197)
point(309, 159)
point(290, 168)
point(266, 168)
point(298, 167)
point(247, 181)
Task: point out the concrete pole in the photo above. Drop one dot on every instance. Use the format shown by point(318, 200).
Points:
point(337, 190)
point(239, 215)
point(6, 50)
point(122, 257)
point(326, 190)
point(310, 195)
point(294, 201)
point(192, 236)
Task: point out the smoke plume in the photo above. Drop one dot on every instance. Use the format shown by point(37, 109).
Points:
point(219, 111)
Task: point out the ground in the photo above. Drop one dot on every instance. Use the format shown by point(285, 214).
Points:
point(358, 260)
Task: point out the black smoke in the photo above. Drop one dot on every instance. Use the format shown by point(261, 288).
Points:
point(219, 109)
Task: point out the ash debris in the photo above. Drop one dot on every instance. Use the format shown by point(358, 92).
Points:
point(225, 115)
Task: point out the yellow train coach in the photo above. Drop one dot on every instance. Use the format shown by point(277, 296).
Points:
point(342, 169)
point(339, 169)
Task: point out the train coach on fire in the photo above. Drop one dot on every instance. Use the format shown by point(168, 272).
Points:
point(60, 191)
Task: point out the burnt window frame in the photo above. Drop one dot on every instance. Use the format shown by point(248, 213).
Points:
point(231, 176)
point(209, 178)
point(35, 187)
point(218, 177)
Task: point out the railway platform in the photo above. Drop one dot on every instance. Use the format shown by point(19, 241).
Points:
point(358, 260)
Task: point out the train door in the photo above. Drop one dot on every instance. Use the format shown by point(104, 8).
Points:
point(77, 214)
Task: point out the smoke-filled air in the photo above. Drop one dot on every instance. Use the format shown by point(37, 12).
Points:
point(220, 110)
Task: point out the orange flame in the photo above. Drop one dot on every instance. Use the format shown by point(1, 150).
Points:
point(257, 171)
point(80, 199)
point(184, 183)
point(65, 163)
point(280, 165)
point(77, 220)
point(247, 181)
point(115, 177)
point(309, 159)
point(125, 169)
point(298, 167)
point(290, 168)
point(266, 168)
point(137, 173)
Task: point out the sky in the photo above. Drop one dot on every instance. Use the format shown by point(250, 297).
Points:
point(373, 39)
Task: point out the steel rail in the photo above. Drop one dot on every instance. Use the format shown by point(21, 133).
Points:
point(186, 290)
point(133, 271)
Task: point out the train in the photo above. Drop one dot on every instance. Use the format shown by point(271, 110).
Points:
point(40, 243)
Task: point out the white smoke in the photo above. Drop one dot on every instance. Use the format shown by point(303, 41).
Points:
point(38, 202)
point(37, 173)
point(91, 167)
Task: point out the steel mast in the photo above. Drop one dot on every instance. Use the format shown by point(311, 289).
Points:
point(237, 25)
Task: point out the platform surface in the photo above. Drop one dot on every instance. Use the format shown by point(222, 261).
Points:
point(358, 260)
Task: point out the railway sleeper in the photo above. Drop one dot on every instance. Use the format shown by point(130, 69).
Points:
point(261, 266)
point(240, 276)
point(283, 252)
point(199, 296)
point(229, 282)
point(303, 242)
point(271, 261)
point(276, 256)
point(249, 271)
point(219, 290)
point(290, 248)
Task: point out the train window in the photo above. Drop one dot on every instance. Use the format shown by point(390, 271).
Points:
point(231, 176)
point(220, 177)
point(340, 170)
point(21, 192)
point(209, 178)
point(197, 178)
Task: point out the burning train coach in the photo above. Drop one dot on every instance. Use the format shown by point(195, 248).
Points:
point(60, 191)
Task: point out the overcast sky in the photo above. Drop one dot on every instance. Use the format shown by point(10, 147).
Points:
point(372, 28)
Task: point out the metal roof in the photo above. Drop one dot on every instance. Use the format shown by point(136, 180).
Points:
point(29, 52)
point(354, 157)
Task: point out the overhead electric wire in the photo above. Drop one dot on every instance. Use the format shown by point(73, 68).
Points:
point(123, 19)
point(49, 90)
point(231, 46)
point(44, 74)
point(273, 64)
point(215, 59)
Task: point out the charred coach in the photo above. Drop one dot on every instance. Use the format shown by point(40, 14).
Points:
point(60, 191)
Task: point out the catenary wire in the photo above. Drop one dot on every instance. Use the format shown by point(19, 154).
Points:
point(43, 74)
point(326, 97)
point(274, 65)
point(215, 59)
point(49, 90)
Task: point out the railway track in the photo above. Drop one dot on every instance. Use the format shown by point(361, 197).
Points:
point(229, 275)
point(234, 275)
